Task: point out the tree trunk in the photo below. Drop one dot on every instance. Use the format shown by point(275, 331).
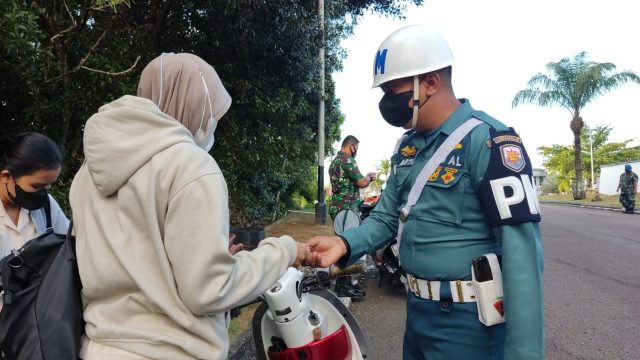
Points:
point(576, 127)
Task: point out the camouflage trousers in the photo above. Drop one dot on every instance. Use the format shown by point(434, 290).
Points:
point(628, 200)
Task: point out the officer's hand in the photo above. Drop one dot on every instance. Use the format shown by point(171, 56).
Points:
point(372, 176)
point(326, 250)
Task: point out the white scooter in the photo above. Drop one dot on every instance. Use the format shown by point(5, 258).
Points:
point(300, 319)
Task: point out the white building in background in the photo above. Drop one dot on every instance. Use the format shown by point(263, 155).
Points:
point(539, 175)
point(610, 176)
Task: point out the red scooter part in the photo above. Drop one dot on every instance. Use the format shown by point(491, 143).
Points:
point(335, 346)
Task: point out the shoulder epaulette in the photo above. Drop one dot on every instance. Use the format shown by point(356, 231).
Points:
point(496, 124)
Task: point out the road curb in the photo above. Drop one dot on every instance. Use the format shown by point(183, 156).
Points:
point(587, 206)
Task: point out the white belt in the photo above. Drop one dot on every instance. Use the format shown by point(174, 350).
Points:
point(461, 290)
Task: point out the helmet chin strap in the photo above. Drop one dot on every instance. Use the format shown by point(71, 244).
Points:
point(416, 102)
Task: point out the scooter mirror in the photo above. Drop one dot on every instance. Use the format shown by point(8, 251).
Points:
point(345, 219)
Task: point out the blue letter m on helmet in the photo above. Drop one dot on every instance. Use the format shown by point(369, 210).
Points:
point(381, 56)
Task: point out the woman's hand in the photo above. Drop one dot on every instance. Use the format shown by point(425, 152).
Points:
point(304, 256)
point(325, 250)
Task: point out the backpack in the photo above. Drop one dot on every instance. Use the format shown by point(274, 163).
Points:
point(42, 313)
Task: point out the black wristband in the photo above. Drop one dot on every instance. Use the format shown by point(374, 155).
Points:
point(347, 255)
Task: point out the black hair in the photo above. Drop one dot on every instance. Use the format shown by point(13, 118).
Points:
point(350, 140)
point(444, 73)
point(25, 153)
point(447, 71)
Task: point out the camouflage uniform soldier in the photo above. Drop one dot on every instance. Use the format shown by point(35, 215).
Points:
point(628, 187)
point(346, 178)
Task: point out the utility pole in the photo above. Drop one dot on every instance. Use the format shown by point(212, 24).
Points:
point(591, 151)
point(321, 207)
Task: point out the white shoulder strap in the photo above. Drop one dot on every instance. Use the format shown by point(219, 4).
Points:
point(438, 157)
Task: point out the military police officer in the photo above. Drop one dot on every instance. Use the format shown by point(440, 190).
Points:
point(461, 190)
point(628, 187)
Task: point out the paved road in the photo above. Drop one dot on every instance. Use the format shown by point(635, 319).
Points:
point(592, 283)
point(381, 316)
point(592, 290)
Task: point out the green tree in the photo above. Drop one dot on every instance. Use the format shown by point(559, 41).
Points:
point(572, 84)
point(555, 183)
point(559, 158)
point(62, 59)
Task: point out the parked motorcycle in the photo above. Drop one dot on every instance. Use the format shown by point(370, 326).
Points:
point(300, 319)
point(349, 286)
point(386, 259)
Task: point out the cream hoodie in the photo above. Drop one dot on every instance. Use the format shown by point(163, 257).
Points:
point(151, 218)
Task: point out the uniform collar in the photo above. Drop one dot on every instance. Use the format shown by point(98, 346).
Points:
point(340, 153)
point(23, 218)
point(462, 114)
point(457, 118)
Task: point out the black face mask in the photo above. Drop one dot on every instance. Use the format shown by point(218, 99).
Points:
point(395, 108)
point(354, 151)
point(28, 200)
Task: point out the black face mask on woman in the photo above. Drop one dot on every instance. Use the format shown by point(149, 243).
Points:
point(28, 200)
point(395, 109)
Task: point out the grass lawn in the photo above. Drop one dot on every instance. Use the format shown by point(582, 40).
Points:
point(607, 200)
point(243, 321)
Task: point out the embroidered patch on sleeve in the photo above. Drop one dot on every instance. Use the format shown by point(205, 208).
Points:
point(512, 157)
point(507, 191)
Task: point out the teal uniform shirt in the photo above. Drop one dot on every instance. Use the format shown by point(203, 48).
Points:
point(451, 223)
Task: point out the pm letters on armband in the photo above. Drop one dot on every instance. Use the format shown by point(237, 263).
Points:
point(521, 189)
point(507, 190)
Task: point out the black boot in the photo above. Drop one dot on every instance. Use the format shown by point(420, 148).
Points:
point(357, 287)
point(344, 288)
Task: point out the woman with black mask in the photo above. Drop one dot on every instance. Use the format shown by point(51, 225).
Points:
point(29, 164)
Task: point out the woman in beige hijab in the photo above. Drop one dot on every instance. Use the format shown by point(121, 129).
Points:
point(151, 217)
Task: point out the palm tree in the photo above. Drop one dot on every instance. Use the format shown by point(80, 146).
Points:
point(572, 84)
point(383, 168)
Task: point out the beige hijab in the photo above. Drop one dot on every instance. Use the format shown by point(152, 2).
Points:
point(174, 83)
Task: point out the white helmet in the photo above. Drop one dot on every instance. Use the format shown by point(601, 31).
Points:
point(409, 51)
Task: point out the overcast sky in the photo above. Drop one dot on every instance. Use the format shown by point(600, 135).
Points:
point(498, 45)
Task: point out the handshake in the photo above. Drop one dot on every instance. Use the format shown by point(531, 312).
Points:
point(320, 251)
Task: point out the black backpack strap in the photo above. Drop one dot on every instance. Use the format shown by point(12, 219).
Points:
point(5, 321)
point(70, 230)
point(47, 214)
point(71, 240)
